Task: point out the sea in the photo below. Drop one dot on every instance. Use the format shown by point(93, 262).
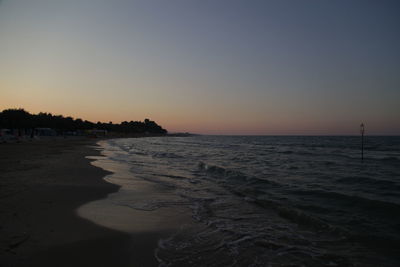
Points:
point(270, 200)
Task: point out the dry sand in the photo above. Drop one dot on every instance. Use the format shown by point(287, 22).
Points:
point(42, 183)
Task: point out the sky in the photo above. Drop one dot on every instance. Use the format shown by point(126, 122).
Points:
point(257, 67)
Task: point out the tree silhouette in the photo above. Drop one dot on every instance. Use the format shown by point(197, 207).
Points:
point(22, 120)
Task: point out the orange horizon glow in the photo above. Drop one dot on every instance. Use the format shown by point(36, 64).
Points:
point(220, 127)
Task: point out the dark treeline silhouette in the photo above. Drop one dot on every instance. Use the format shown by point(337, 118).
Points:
point(23, 120)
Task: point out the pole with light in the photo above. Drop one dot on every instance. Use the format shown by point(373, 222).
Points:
point(362, 130)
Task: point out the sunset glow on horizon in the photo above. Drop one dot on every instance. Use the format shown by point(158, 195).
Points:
point(207, 67)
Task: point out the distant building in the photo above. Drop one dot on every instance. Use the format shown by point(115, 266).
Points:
point(45, 132)
point(7, 135)
point(4, 132)
point(96, 133)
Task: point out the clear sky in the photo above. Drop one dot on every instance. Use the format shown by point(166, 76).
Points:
point(207, 66)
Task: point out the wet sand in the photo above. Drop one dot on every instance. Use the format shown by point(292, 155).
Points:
point(42, 183)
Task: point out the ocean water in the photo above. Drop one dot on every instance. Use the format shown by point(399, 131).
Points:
point(270, 200)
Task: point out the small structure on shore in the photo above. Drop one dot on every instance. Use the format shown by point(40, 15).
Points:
point(45, 132)
point(6, 135)
point(96, 133)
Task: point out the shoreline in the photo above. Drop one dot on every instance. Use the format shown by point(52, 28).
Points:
point(148, 225)
point(41, 186)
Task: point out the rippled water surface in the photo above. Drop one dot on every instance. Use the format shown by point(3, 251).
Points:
point(272, 201)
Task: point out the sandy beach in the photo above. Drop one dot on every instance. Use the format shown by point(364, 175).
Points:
point(42, 183)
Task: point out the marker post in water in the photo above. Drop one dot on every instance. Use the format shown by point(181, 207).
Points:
point(362, 130)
